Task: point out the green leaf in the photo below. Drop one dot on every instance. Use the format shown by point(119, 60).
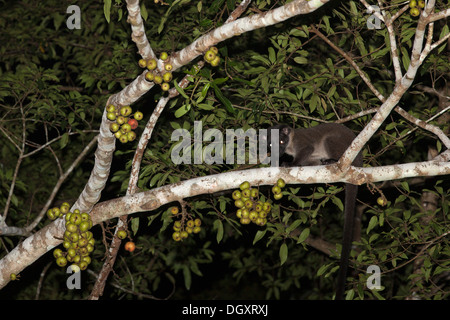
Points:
point(228, 106)
point(272, 55)
point(144, 12)
point(438, 146)
point(360, 44)
point(219, 227)
point(262, 59)
point(444, 32)
point(64, 140)
point(405, 58)
point(166, 218)
point(258, 236)
point(107, 9)
point(298, 33)
point(135, 225)
point(57, 20)
point(215, 6)
point(304, 235)
point(150, 220)
point(155, 179)
point(204, 106)
point(194, 267)
point(405, 186)
point(205, 23)
point(204, 92)
point(14, 200)
point(372, 223)
point(391, 125)
point(350, 294)
point(380, 53)
point(166, 16)
point(406, 215)
point(180, 90)
point(187, 277)
point(353, 9)
point(301, 60)
point(283, 253)
point(293, 226)
point(231, 4)
point(377, 294)
point(220, 81)
point(71, 118)
point(222, 205)
point(313, 103)
point(322, 269)
point(338, 203)
point(181, 111)
point(331, 91)
point(328, 28)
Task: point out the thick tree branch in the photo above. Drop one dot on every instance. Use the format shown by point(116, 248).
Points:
point(50, 236)
point(138, 31)
point(438, 15)
point(103, 158)
point(243, 25)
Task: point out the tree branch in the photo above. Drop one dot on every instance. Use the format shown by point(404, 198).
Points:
point(399, 89)
point(243, 25)
point(50, 236)
point(5, 230)
point(138, 31)
point(422, 124)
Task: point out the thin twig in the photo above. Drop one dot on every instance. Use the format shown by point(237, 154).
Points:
point(16, 170)
point(5, 230)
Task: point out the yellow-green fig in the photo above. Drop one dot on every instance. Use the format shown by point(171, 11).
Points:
point(164, 56)
point(210, 56)
point(167, 77)
point(142, 63)
point(151, 64)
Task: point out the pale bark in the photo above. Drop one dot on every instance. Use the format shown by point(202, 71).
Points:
point(50, 236)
